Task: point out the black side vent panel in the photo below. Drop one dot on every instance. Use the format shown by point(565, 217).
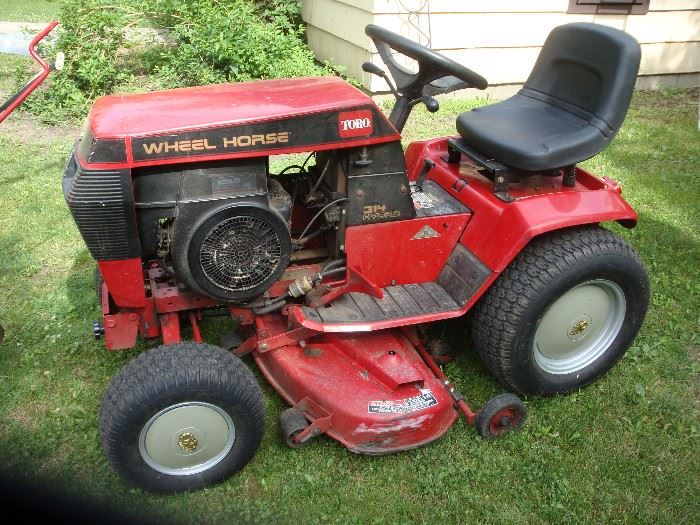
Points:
point(102, 204)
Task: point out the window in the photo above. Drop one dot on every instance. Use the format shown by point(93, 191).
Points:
point(609, 7)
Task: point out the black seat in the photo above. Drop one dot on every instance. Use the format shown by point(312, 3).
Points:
point(571, 106)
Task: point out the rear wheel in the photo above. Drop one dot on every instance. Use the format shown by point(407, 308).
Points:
point(564, 311)
point(181, 417)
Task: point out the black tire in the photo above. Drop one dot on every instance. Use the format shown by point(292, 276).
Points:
point(292, 422)
point(2, 334)
point(500, 415)
point(167, 382)
point(506, 320)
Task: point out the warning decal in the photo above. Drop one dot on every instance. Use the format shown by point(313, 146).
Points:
point(413, 404)
point(423, 199)
point(426, 232)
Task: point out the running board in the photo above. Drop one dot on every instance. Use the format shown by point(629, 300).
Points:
point(402, 305)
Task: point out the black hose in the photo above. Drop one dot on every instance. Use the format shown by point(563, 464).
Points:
point(249, 306)
point(302, 242)
point(333, 271)
point(331, 264)
point(300, 169)
point(272, 307)
point(318, 214)
point(320, 177)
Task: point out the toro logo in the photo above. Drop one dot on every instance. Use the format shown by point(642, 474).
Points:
point(355, 124)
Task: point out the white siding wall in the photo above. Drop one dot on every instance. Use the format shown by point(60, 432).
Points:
point(500, 39)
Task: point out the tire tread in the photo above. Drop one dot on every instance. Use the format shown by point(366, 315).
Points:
point(186, 367)
point(495, 317)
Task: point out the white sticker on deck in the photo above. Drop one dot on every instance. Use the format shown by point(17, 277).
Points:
point(412, 404)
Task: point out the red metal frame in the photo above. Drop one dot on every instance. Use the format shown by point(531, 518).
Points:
point(38, 79)
point(124, 279)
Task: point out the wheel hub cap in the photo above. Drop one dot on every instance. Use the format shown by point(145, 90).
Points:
point(187, 438)
point(579, 327)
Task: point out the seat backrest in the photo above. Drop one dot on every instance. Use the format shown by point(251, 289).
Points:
point(589, 70)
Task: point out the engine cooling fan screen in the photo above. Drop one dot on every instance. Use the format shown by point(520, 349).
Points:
point(240, 253)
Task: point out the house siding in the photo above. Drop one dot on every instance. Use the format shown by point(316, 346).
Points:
point(500, 39)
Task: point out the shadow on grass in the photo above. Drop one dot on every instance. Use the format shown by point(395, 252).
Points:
point(43, 500)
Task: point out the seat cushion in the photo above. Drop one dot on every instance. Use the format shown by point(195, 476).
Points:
point(530, 133)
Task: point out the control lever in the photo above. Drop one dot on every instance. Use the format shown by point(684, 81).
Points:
point(373, 69)
point(431, 104)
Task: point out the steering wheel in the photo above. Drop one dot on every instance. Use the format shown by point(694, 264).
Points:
point(431, 65)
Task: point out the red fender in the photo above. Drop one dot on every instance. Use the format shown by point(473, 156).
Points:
point(499, 230)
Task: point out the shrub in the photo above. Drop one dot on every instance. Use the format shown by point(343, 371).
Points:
point(91, 43)
point(209, 41)
point(230, 40)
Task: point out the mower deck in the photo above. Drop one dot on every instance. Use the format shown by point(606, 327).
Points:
point(371, 392)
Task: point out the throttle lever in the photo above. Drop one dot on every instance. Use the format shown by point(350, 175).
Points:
point(373, 69)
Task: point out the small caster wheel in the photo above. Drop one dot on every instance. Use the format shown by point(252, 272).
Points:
point(440, 351)
point(292, 423)
point(500, 415)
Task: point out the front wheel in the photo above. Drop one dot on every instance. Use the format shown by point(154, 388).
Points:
point(181, 417)
point(564, 311)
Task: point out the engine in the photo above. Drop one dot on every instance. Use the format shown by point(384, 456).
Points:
point(229, 229)
point(224, 226)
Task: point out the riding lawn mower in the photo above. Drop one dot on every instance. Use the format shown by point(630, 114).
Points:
point(332, 269)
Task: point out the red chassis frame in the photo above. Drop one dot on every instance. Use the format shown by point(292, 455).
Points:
point(494, 230)
point(314, 365)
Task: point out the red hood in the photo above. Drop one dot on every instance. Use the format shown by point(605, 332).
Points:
point(163, 112)
point(250, 119)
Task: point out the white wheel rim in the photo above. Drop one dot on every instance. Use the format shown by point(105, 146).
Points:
point(579, 327)
point(187, 438)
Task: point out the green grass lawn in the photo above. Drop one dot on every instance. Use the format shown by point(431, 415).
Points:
point(29, 10)
point(623, 450)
